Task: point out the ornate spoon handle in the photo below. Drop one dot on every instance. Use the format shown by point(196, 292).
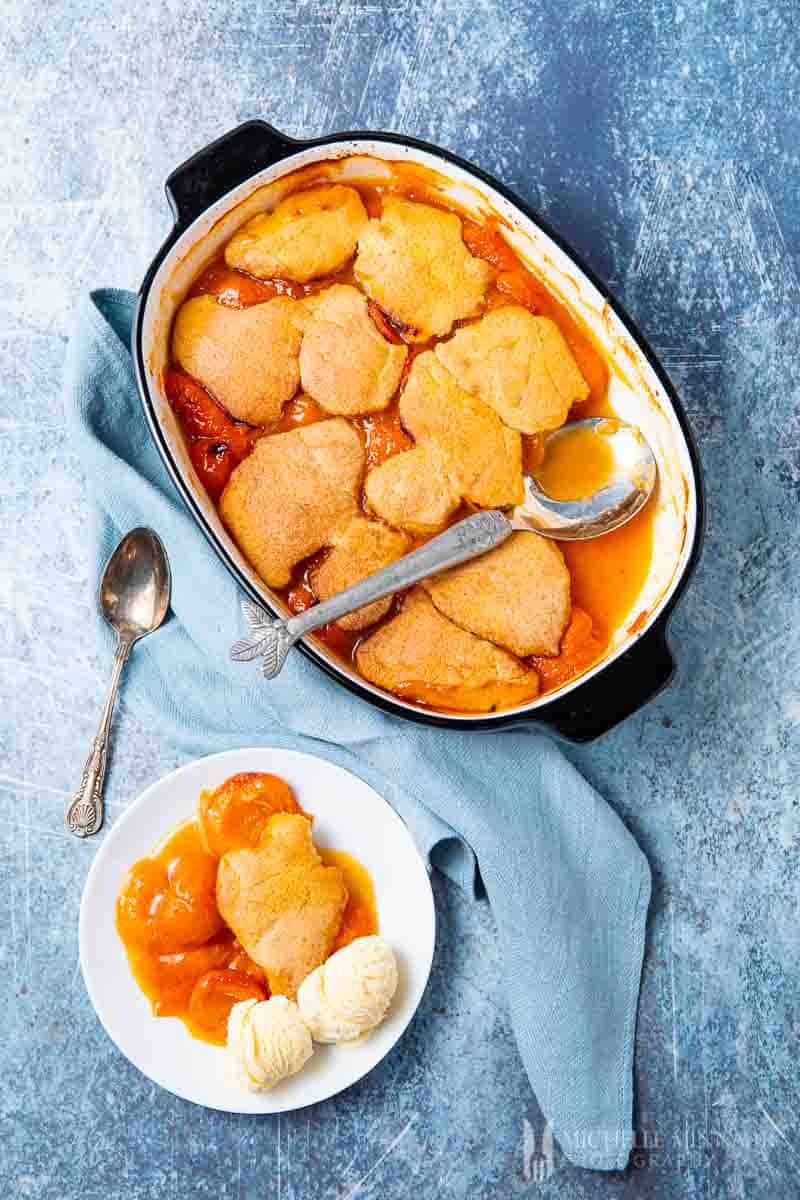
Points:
point(271, 639)
point(84, 815)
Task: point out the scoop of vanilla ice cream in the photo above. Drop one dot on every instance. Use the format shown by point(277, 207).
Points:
point(349, 994)
point(267, 1041)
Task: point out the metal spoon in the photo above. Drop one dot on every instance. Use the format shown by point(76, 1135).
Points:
point(134, 597)
point(629, 489)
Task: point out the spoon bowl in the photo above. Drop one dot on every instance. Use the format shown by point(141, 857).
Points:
point(632, 477)
point(135, 589)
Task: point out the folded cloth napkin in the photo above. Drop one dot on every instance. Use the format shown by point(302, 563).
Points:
point(568, 886)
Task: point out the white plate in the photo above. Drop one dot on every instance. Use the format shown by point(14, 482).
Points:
point(349, 815)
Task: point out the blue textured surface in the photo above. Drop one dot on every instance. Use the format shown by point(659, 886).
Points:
point(663, 140)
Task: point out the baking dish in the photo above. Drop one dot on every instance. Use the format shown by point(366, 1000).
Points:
point(245, 172)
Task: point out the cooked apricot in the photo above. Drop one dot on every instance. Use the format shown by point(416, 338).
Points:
point(233, 815)
point(169, 907)
point(168, 979)
point(202, 417)
point(384, 436)
point(240, 960)
point(236, 288)
point(213, 997)
point(135, 899)
point(581, 646)
point(214, 463)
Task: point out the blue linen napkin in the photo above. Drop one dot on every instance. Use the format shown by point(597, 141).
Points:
point(568, 886)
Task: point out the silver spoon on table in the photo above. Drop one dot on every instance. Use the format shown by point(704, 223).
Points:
point(134, 598)
point(630, 486)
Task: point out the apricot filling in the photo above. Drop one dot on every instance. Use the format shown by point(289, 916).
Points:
point(183, 956)
point(478, 319)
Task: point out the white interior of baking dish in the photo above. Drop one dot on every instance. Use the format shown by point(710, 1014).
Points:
point(635, 391)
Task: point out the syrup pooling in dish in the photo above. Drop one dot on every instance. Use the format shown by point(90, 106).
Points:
point(430, 361)
point(186, 957)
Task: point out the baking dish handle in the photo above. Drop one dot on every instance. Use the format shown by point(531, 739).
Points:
point(616, 692)
point(196, 184)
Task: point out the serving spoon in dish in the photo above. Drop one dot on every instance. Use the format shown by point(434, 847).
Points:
point(620, 462)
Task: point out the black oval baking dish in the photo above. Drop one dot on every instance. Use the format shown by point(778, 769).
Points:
point(241, 173)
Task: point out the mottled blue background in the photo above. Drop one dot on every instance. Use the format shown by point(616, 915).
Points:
point(662, 139)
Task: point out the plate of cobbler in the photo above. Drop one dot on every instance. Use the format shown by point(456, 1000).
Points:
point(257, 930)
